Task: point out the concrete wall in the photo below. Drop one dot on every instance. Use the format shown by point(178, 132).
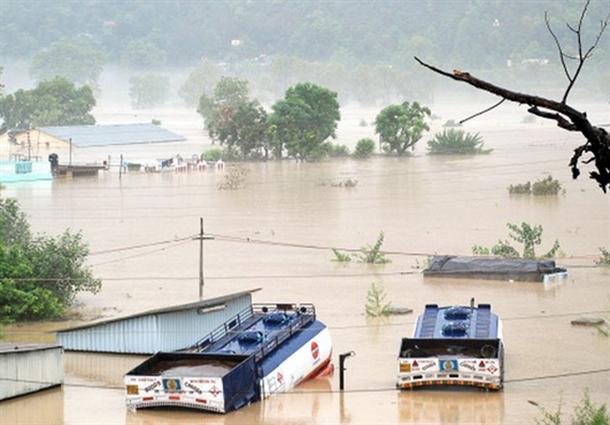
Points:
point(24, 371)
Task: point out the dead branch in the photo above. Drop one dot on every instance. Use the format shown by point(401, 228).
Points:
point(562, 55)
point(581, 58)
point(568, 118)
point(561, 121)
point(495, 105)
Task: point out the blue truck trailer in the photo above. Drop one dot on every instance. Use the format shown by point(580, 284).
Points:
point(455, 345)
point(264, 350)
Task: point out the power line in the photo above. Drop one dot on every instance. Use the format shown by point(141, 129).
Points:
point(144, 245)
point(306, 392)
point(143, 254)
point(338, 327)
point(247, 240)
point(227, 277)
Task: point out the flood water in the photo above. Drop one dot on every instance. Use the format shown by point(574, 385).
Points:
point(424, 205)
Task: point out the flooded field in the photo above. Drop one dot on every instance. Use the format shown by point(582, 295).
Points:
point(424, 205)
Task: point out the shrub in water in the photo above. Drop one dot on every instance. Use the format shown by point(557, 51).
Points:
point(337, 151)
point(546, 186)
point(375, 302)
point(364, 148)
point(456, 142)
point(213, 154)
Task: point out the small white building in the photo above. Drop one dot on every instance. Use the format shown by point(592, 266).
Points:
point(27, 368)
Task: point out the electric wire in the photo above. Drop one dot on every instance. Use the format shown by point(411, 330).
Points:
point(333, 328)
point(348, 391)
point(143, 245)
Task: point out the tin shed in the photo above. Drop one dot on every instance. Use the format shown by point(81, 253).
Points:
point(164, 329)
point(27, 368)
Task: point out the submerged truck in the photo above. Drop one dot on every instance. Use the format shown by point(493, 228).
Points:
point(456, 345)
point(265, 349)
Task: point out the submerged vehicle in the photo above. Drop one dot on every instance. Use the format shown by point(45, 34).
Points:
point(265, 349)
point(457, 345)
point(516, 269)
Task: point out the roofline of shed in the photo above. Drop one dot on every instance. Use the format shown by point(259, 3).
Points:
point(181, 307)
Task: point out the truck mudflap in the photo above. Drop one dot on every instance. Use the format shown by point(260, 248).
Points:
point(214, 382)
point(424, 362)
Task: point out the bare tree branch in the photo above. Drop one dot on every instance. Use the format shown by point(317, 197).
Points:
point(598, 141)
point(561, 121)
point(581, 58)
point(483, 111)
point(558, 44)
point(603, 25)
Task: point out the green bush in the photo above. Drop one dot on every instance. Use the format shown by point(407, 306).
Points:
point(364, 148)
point(546, 186)
point(585, 413)
point(213, 154)
point(340, 257)
point(39, 275)
point(375, 302)
point(372, 254)
point(456, 142)
point(520, 189)
point(604, 257)
point(337, 151)
point(526, 234)
point(26, 301)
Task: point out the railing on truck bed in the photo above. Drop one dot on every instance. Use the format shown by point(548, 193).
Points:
point(306, 314)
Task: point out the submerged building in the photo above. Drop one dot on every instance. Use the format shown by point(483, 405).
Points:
point(86, 136)
point(27, 368)
point(165, 329)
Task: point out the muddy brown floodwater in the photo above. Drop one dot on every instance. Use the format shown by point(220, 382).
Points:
point(423, 204)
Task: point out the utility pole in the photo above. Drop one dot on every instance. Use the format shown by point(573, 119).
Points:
point(201, 237)
point(70, 160)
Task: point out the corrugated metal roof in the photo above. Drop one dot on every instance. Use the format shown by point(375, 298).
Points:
point(198, 304)
point(17, 347)
point(112, 134)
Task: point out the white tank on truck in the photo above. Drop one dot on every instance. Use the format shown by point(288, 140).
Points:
point(265, 349)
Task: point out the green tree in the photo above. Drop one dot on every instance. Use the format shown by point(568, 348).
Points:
point(201, 80)
point(528, 235)
point(218, 108)
point(246, 133)
point(141, 53)
point(364, 148)
point(304, 120)
point(54, 102)
point(401, 126)
point(78, 60)
point(14, 227)
point(147, 91)
point(39, 275)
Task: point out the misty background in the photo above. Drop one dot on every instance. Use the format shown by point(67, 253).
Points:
point(362, 50)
